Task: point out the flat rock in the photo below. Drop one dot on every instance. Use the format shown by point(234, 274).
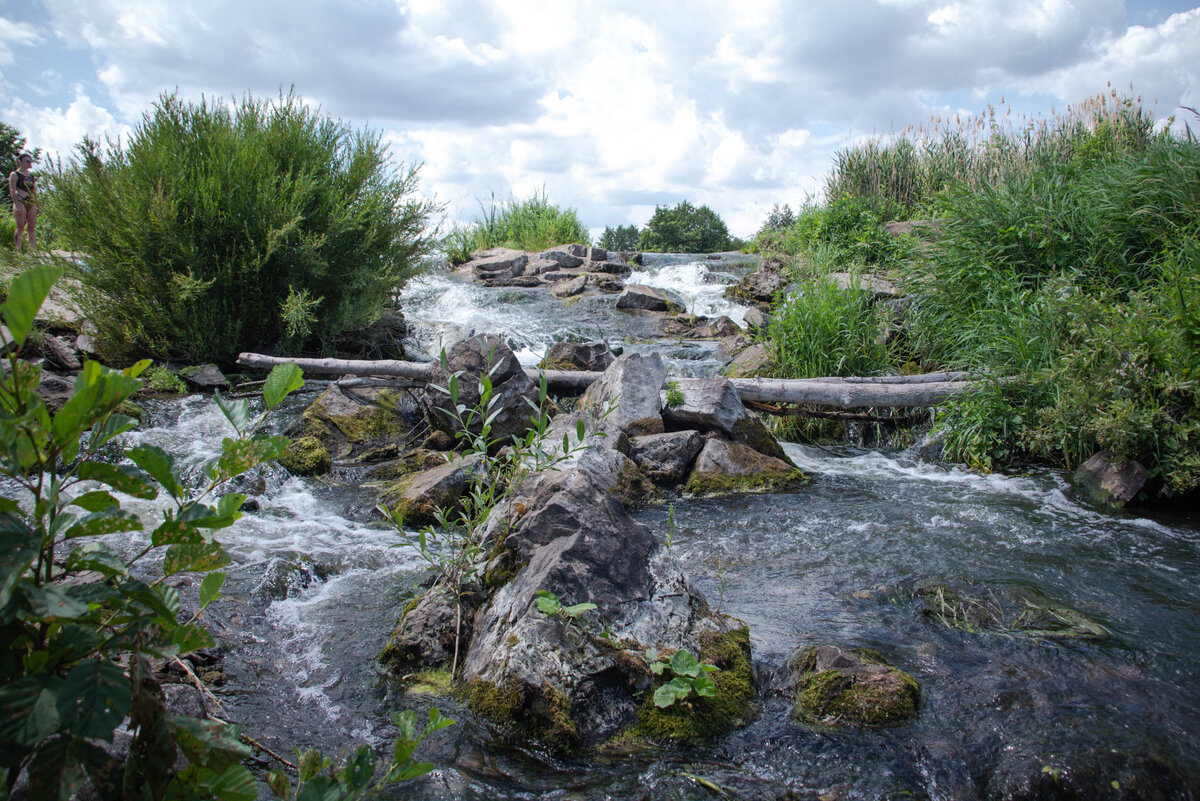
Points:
point(566, 289)
point(877, 285)
point(204, 377)
point(498, 263)
point(640, 296)
point(561, 256)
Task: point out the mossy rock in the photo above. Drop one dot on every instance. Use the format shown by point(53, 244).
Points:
point(725, 467)
point(716, 484)
point(543, 713)
point(856, 686)
point(411, 462)
point(699, 719)
point(307, 456)
point(348, 427)
point(1019, 611)
point(128, 407)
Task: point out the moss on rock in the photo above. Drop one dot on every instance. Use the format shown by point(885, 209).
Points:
point(707, 484)
point(307, 456)
point(698, 719)
point(856, 686)
point(540, 712)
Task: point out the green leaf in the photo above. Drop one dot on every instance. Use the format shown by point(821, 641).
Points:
point(358, 771)
point(56, 771)
point(18, 549)
point(158, 463)
point(199, 558)
point(665, 696)
point(578, 609)
point(95, 556)
point(209, 742)
point(705, 686)
point(283, 381)
point(210, 588)
point(94, 699)
point(28, 709)
point(122, 479)
point(137, 368)
point(172, 531)
point(26, 293)
point(320, 788)
point(234, 783)
point(191, 637)
point(547, 602)
point(240, 455)
point(109, 521)
point(112, 426)
point(280, 784)
point(684, 663)
point(95, 501)
point(54, 602)
point(237, 412)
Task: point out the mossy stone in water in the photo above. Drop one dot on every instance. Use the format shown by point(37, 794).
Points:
point(307, 456)
point(857, 686)
point(543, 713)
point(698, 719)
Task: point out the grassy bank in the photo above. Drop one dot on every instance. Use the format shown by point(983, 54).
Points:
point(531, 224)
point(1066, 260)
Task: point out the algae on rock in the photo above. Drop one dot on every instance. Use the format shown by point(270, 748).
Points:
point(857, 686)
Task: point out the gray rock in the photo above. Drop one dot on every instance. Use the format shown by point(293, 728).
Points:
point(500, 263)
point(665, 458)
point(418, 496)
point(474, 358)
point(640, 296)
point(726, 467)
point(760, 286)
point(713, 404)
point(755, 320)
point(629, 393)
point(879, 287)
point(58, 354)
point(425, 635)
point(204, 377)
point(55, 391)
point(561, 256)
point(610, 267)
point(566, 289)
point(1109, 483)
point(751, 361)
point(541, 266)
point(588, 252)
point(86, 345)
point(590, 356)
point(560, 274)
point(913, 227)
point(184, 699)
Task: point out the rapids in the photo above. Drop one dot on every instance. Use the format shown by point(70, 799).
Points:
point(316, 585)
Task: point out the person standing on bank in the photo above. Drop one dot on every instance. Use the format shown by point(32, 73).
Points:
point(22, 187)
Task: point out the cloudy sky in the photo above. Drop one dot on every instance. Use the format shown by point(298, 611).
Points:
point(611, 106)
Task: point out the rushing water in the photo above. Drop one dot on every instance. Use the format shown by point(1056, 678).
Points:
point(316, 585)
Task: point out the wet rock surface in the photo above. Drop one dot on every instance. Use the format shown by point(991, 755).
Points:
point(1110, 483)
point(836, 686)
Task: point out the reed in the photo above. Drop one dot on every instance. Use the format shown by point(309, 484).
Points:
point(531, 224)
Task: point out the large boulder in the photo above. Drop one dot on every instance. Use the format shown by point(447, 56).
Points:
point(555, 677)
point(751, 361)
point(350, 424)
point(58, 354)
point(627, 396)
point(644, 298)
point(1109, 482)
point(382, 339)
point(604, 456)
point(472, 359)
point(418, 496)
point(665, 458)
point(713, 404)
point(587, 356)
point(204, 377)
point(427, 632)
point(726, 467)
point(834, 686)
point(879, 287)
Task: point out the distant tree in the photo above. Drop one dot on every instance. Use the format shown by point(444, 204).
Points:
point(684, 229)
point(623, 237)
point(780, 219)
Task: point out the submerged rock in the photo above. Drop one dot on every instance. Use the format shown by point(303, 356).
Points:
point(1020, 611)
point(857, 686)
point(1099, 775)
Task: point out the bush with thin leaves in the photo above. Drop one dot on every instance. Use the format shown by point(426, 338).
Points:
point(202, 224)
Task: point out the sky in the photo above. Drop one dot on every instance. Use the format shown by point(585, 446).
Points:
point(610, 107)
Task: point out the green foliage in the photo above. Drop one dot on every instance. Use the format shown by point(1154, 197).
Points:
point(319, 779)
point(689, 677)
point(623, 237)
point(202, 224)
point(684, 228)
point(75, 656)
point(675, 396)
point(549, 605)
point(822, 330)
point(160, 379)
point(845, 232)
point(532, 224)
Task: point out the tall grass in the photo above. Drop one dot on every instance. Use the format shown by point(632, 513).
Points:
point(531, 224)
point(823, 330)
point(200, 227)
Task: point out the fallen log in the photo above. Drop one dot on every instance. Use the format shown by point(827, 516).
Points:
point(844, 393)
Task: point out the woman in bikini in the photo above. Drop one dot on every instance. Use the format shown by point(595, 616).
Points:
point(22, 187)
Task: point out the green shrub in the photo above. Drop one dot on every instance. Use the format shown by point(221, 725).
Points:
point(532, 224)
point(846, 232)
point(160, 379)
point(822, 330)
point(199, 227)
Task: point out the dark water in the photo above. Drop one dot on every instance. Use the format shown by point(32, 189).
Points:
point(316, 586)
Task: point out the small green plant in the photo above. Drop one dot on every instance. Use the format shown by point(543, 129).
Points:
point(319, 779)
point(160, 379)
point(571, 616)
point(299, 313)
point(670, 538)
point(690, 677)
point(675, 396)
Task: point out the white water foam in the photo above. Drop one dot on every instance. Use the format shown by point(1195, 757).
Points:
point(701, 291)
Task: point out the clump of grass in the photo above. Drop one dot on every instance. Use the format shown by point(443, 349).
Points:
point(531, 224)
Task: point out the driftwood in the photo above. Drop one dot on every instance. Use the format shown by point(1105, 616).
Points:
point(843, 393)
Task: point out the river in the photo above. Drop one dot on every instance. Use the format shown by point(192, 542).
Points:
point(316, 585)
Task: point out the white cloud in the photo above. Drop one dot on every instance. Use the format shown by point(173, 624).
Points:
point(56, 131)
point(19, 34)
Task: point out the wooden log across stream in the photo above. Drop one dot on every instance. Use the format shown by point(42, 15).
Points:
point(844, 393)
